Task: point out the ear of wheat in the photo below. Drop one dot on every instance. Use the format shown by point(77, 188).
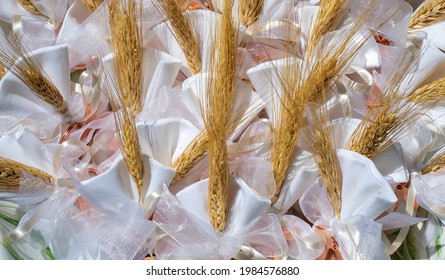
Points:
point(183, 32)
point(11, 174)
point(305, 82)
point(322, 147)
point(217, 117)
point(190, 157)
point(15, 57)
point(92, 5)
point(386, 123)
point(29, 6)
point(126, 43)
point(430, 12)
point(432, 92)
point(126, 131)
point(250, 11)
point(124, 83)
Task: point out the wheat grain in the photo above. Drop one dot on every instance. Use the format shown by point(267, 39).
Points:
point(250, 11)
point(431, 12)
point(183, 32)
point(11, 173)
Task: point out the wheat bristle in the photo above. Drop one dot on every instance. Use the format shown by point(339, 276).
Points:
point(183, 32)
point(29, 6)
point(432, 92)
point(92, 5)
point(250, 11)
point(11, 174)
point(429, 13)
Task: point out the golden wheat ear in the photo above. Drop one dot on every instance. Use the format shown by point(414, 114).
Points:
point(126, 131)
point(430, 12)
point(11, 173)
point(217, 115)
point(322, 147)
point(92, 5)
point(432, 92)
point(123, 86)
point(183, 32)
point(126, 44)
point(15, 57)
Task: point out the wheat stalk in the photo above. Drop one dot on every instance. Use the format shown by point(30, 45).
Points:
point(92, 5)
point(29, 6)
point(431, 12)
point(217, 119)
point(126, 42)
point(250, 11)
point(29, 71)
point(11, 174)
point(434, 164)
point(325, 22)
point(183, 32)
point(429, 93)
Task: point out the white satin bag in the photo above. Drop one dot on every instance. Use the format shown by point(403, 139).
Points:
point(189, 234)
